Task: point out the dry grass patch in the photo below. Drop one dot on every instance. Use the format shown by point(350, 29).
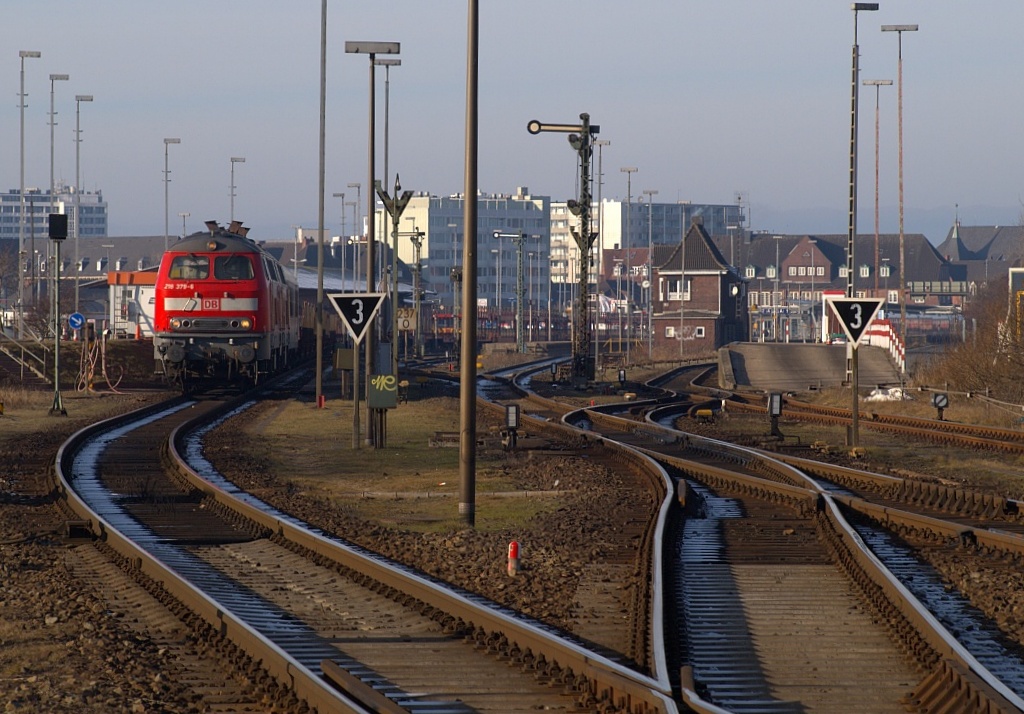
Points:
point(406, 484)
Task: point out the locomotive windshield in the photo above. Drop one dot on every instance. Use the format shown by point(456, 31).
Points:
point(189, 267)
point(232, 267)
point(197, 267)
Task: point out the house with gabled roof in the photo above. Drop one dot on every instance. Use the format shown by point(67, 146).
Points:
point(986, 252)
point(698, 301)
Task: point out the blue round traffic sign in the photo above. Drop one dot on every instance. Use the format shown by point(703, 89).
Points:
point(76, 321)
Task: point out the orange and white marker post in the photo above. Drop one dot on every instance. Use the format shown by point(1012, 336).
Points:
point(513, 558)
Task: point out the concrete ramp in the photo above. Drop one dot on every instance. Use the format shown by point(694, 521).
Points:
point(799, 367)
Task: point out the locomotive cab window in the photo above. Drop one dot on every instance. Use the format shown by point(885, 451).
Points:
point(189, 267)
point(232, 267)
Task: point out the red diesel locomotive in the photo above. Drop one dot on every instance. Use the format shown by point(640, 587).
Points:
point(224, 308)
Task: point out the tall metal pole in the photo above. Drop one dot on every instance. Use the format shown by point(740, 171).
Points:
point(167, 181)
point(877, 84)
point(600, 144)
point(387, 64)
point(899, 30)
point(58, 228)
point(53, 123)
point(78, 193)
point(627, 243)
point(23, 54)
point(321, 187)
point(854, 94)
point(650, 193)
point(357, 216)
point(342, 236)
point(682, 291)
point(372, 49)
point(581, 139)
point(417, 243)
point(234, 160)
point(467, 386)
point(851, 368)
point(53, 187)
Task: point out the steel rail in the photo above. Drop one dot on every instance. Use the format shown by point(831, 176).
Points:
point(955, 670)
point(306, 685)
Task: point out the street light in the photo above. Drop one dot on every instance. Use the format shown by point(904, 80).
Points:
point(372, 49)
point(899, 30)
point(854, 89)
point(650, 193)
point(23, 54)
point(234, 160)
point(629, 171)
point(53, 122)
point(357, 216)
point(79, 98)
point(355, 262)
point(877, 84)
point(167, 181)
point(387, 64)
point(342, 197)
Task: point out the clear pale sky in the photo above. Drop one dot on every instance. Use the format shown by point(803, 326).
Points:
point(706, 99)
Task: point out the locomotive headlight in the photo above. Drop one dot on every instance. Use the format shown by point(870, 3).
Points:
point(245, 323)
point(175, 323)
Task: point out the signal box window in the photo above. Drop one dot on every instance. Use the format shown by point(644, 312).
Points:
point(189, 267)
point(232, 267)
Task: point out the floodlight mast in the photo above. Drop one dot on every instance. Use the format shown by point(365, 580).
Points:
point(581, 139)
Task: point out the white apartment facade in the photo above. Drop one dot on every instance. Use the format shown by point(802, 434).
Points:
point(38, 208)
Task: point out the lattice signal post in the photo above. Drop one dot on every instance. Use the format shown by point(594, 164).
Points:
point(581, 139)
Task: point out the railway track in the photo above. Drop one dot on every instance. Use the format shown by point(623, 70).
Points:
point(308, 620)
point(801, 592)
point(752, 616)
point(974, 436)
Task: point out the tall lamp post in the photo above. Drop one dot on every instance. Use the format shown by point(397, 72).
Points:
point(234, 160)
point(79, 98)
point(342, 197)
point(650, 193)
point(387, 64)
point(23, 54)
point(357, 216)
point(167, 181)
point(877, 84)
point(627, 243)
point(899, 30)
point(857, 7)
point(372, 49)
point(53, 123)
